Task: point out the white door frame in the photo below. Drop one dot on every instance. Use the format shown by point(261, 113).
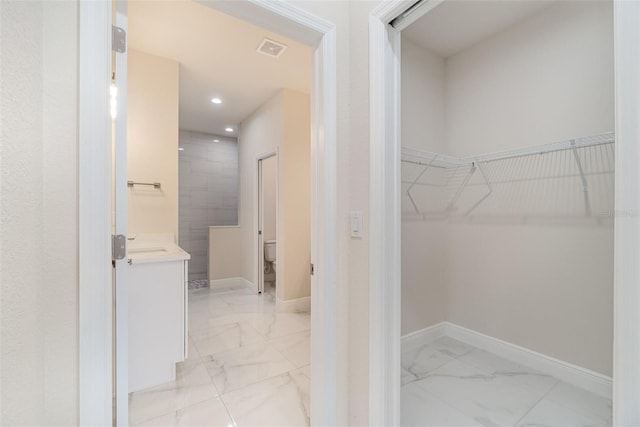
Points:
point(259, 259)
point(94, 215)
point(385, 280)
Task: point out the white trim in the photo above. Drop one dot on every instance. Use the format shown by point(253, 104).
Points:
point(293, 305)
point(94, 216)
point(328, 364)
point(423, 336)
point(626, 354)
point(567, 372)
point(326, 389)
point(384, 249)
point(385, 263)
point(258, 215)
point(120, 223)
point(282, 18)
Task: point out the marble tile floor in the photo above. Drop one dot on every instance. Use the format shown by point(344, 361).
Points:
point(449, 383)
point(247, 366)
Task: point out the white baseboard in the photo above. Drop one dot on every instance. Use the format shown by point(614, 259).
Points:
point(232, 282)
point(293, 305)
point(594, 382)
point(423, 336)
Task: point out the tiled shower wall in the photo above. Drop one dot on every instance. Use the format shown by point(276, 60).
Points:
point(208, 193)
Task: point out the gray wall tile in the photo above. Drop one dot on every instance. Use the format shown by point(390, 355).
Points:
point(208, 193)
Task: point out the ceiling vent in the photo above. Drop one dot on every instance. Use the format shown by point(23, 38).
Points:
point(271, 48)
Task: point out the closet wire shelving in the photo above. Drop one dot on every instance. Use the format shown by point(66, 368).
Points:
point(570, 179)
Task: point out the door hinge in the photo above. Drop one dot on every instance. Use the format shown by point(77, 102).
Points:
point(259, 232)
point(313, 269)
point(118, 246)
point(118, 39)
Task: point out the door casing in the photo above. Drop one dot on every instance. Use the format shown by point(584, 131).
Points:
point(259, 257)
point(95, 205)
point(385, 178)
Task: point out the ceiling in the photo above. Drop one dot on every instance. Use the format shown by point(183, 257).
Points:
point(455, 25)
point(218, 58)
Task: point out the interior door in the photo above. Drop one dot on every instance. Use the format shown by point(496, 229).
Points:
point(119, 115)
point(260, 229)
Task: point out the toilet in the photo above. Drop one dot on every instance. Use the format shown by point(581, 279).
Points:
point(270, 253)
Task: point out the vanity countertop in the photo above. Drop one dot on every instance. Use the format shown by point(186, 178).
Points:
point(148, 249)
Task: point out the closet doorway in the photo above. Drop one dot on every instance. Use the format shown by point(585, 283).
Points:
point(494, 201)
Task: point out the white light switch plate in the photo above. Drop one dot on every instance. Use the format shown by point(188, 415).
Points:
point(356, 224)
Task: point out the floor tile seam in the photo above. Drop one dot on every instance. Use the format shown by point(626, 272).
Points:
point(286, 358)
point(269, 338)
point(193, 344)
point(570, 409)
point(266, 344)
point(207, 356)
point(302, 367)
point(226, 408)
point(200, 330)
point(210, 357)
point(290, 334)
point(288, 372)
point(241, 324)
point(534, 406)
point(174, 411)
point(445, 403)
point(212, 296)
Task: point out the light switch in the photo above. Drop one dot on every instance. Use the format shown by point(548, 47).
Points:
point(356, 224)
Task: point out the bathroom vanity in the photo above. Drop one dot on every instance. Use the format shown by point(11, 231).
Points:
point(157, 310)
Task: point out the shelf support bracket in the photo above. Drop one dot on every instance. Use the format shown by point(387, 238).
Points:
point(415, 181)
point(583, 178)
point(461, 187)
point(489, 187)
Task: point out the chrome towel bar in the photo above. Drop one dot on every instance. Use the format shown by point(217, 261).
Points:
point(155, 185)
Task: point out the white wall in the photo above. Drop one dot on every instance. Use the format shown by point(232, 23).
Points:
point(152, 143)
point(258, 135)
point(39, 259)
point(294, 210)
point(547, 79)
point(548, 288)
point(424, 260)
point(282, 124)
point(225, 252)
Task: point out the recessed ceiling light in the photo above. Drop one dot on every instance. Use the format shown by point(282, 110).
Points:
point(180, 149)
point(216, 100)
point(216, 140)
point(229, 129)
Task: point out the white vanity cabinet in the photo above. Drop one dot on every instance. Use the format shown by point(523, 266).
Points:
point(158, 327)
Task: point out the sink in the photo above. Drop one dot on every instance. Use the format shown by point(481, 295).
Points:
point(150, 251)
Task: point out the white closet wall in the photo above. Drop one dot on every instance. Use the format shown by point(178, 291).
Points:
point(424, 257)
point(545, 287)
